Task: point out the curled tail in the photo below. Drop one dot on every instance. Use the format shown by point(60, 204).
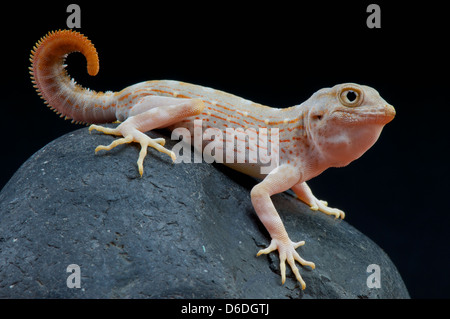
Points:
point(59, 91)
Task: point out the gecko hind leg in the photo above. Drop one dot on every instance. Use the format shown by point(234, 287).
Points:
point(144, 140)
point(149, 113)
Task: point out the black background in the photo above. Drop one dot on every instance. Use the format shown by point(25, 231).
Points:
point(276, 53)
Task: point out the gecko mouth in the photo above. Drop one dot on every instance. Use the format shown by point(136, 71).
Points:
point(379, 115)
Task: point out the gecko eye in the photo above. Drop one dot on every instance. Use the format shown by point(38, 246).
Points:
point(351, 96)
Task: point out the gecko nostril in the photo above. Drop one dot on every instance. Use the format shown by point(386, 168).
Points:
point(389, 110)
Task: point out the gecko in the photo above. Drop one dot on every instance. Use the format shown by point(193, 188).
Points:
point(332, 128)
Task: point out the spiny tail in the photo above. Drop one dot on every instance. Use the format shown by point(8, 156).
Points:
point(59, 91)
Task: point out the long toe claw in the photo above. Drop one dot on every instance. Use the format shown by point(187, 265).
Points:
point(283, 269)
point(268, 250)
point(105, 130)
point(300, 243)
point(162, 149)
point(142, 155)
point(322, 206)
point(304, 262)
point(160, 141)
point(291, 262)
point(337, 213)
point(118, 142)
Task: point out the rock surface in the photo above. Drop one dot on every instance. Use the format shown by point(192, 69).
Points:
point(181, 231)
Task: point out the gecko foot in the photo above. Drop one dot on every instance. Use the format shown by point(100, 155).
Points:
point(322, 206)
point(133, 135)
point(286, 249)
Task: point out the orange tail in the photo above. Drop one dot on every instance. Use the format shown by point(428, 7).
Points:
point(59, 91)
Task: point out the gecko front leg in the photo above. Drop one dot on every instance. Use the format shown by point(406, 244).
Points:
point(279, 180)
point(149, 113)
point(304, 193)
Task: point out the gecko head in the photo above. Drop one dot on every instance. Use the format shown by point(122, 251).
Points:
point(344, 121)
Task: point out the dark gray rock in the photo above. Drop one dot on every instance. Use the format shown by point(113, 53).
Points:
point(181, 231)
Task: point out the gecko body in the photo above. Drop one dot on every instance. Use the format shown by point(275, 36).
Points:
point(331, 129)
